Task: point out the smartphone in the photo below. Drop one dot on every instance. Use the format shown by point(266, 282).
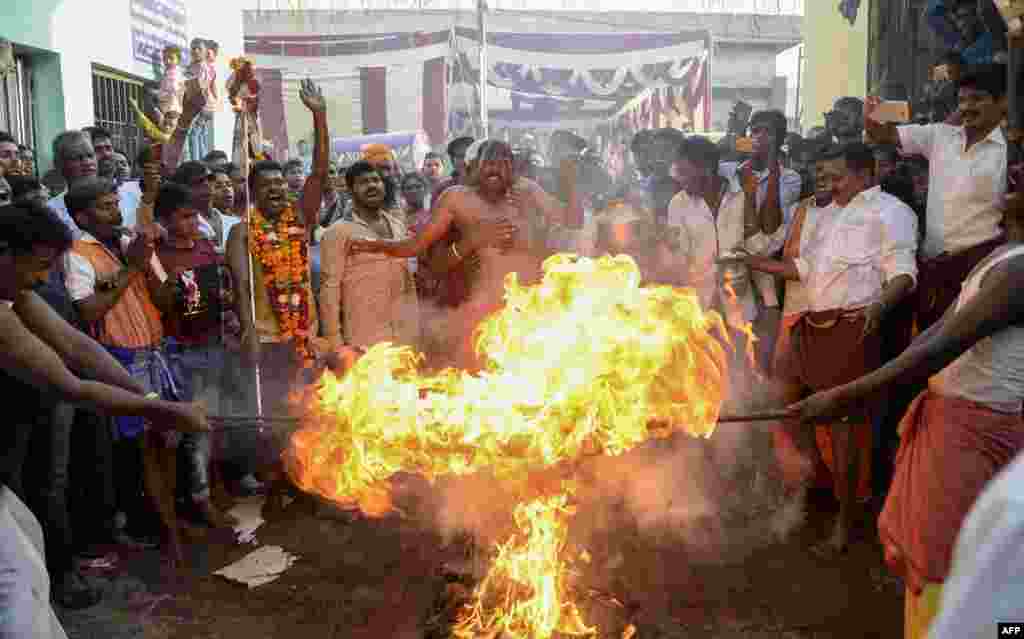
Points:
point(745, 145)
point(895, 111)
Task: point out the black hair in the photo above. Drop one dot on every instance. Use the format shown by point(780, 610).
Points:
point(495, 150)
point(29, 224)
point(640, 140)
point(990, 78)
point(570, 139)
point(189, 172)
point(212, 45)
point(952, 58)
point(172, 196)
point(221, 169)
point(669, 133)
point(900, 184)
point(414, 175)
point(891, 152)
point(98, 132)
point(291, 164)
point(773, 119)
point(362, 167)
point(83, 195)
point(263, 166)
point(829, 152)
point(859, 157)
point(7, 137)
point(215, 156)
point(701, 151)
point(22, 185)
point(197, 41)
point(230, 168)
point(854, 103)
point(458, 146)
point(432, 155)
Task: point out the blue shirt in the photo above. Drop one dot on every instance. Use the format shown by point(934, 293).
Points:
point(981, 51)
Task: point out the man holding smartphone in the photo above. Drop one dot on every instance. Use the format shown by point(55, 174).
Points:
point(967, 185)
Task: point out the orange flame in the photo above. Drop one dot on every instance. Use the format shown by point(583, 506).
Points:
point(586, 362)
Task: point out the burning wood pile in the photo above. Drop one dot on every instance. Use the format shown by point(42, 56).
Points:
point(586, 363)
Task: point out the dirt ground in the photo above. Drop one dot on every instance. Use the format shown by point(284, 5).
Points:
point(382, 578)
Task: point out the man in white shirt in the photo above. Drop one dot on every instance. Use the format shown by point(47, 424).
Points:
point(770, 190)
point(75, 159)
point(711, 215)
point(213, 224)
point(967, 183)
point(858, 265)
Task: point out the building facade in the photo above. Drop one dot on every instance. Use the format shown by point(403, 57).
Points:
point(744, 56)
point(79, 62)
point(836, 55)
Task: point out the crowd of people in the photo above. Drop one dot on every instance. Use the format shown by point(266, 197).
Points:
point(875, 264)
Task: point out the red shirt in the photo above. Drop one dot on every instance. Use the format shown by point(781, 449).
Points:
point(203, 324)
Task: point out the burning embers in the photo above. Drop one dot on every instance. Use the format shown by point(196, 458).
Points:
point(585, 363)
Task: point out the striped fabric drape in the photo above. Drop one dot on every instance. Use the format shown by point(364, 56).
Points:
point(373, 83)
point(272, 118)
point(435, 100)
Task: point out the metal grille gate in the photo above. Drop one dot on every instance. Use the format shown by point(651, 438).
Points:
point(16, 103)
point(110, 94)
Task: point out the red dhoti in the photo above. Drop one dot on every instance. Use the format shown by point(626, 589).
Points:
point(951, 448)
point(822, 351)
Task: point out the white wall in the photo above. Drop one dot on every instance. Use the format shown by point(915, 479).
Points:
point(84, 32)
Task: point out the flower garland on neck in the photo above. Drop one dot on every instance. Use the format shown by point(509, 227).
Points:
point(283, 253)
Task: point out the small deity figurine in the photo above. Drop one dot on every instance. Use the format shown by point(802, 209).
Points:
point(168, 100)
point(172, 85)
point(201, 69)
point(244, 94)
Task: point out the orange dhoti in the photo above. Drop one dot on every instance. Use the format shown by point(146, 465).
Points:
point(950, 449)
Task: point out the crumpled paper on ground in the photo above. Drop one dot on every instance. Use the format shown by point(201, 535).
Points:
point(259, 567)
point(249, 513)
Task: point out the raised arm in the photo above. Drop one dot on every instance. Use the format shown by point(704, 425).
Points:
point(313, 191)
point(195, 100)
point(440, 223)
point(879, 132)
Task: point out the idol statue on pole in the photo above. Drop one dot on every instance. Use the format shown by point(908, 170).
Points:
point(244, 94)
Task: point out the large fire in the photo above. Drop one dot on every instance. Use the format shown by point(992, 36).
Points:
point(585, 363)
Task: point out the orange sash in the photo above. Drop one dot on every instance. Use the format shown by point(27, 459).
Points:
point(134, 322)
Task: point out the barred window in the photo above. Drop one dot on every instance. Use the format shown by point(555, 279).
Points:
point(111, 91)
point(16, 103)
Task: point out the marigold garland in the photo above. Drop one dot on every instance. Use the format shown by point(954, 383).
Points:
point(281, 248)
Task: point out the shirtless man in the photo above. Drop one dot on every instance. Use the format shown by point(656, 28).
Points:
point(504, 221)
point(39, 348)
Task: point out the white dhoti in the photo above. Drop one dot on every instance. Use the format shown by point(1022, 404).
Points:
point(25, 610)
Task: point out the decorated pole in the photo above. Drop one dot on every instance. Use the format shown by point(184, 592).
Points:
point(482, 21)
point(252, 306)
